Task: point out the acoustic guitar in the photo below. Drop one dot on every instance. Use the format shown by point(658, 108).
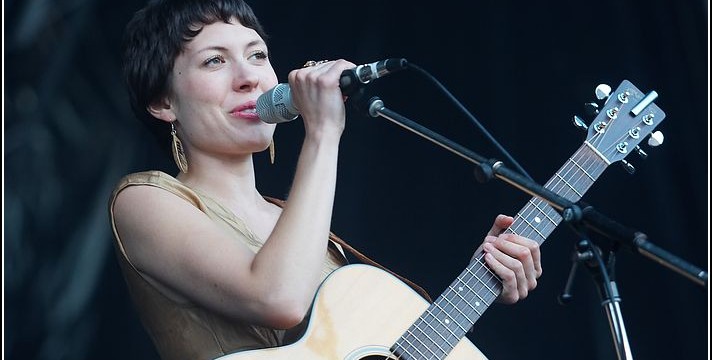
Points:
point(363, 313)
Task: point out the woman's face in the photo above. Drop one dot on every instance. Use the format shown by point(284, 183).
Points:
point(213, 88)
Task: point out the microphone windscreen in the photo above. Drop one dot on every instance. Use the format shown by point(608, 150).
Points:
point(275, 106)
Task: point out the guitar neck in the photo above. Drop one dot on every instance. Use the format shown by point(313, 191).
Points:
point(452, 314)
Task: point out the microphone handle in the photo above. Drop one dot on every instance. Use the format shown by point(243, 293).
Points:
point(352, 79)
point(349, 82)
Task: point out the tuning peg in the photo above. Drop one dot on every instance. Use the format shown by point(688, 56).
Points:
point(579, 123)
point(591, 109)
point(643, 155)
point(628, 167)
point(656, 139)
point(603, 91)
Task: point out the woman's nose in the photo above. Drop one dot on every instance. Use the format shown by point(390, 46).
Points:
point(245, 78)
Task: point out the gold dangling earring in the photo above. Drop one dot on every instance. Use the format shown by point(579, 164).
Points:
point(178, 153)
point(271, 152)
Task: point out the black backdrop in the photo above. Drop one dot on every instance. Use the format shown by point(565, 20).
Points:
point(523, 68)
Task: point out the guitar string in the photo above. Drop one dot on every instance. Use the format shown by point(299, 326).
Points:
point(429, 338)
point(405, 349)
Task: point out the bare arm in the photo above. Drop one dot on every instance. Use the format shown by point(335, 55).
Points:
point(178, 246)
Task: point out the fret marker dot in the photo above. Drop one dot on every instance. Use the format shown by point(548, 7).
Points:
point(477, 303)
point(447, 321)
point(537, 219)
point(460, 288)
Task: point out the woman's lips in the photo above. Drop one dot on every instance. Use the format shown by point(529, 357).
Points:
point(246, 111)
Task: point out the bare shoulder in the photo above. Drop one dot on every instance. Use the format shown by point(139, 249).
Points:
point(142, 230)
point(136, 207)
point(179, 248)
point(160, 229)
point(146, 215)
point(132, 197)
point(148, 219)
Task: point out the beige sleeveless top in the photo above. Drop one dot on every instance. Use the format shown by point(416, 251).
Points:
point(188, 331)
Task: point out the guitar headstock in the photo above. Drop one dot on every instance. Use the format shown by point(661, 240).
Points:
point(627, 117)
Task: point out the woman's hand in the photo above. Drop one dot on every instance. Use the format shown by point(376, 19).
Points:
point(515, 259)
point(317, 95)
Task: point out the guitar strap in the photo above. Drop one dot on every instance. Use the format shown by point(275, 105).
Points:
point(363, 258)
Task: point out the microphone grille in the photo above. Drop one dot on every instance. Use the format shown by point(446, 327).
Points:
point(275, 106)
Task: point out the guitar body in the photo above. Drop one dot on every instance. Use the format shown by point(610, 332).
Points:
point(358, 313)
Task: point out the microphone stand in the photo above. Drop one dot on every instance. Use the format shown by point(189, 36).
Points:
point(602, 273)
point(579, 215)
point(576, 213)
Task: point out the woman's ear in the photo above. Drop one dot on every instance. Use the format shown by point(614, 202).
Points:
point(162, 110)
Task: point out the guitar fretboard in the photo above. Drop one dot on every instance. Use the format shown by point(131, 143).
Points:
point(452, 314)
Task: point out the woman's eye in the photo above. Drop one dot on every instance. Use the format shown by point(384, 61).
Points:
point(214, 60)
point(260, 55)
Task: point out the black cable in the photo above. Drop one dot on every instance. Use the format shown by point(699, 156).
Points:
point(471, 117)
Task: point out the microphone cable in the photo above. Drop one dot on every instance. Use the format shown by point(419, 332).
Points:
point(469, 116)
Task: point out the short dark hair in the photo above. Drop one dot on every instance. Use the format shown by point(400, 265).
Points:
point(156, 35)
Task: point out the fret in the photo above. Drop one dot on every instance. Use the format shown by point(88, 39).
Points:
point(414, 346)
point(567, 184)
point(571, 160)
point(464, 299)
point(441, 326)
point(487, 270)
point(418, 345)
point(479, 294)
point(445, 298)
point(445, 342)
point(548, 213)
point(427, 323)
point(466, 285)
point(470, 306)
point(400, 350)
point(489, 279)
point(543, 230)
point(533, 228)
point(462, 322)
point(445, 318)
point(554, 221)
point(445, 325)
point(470, 292)
point(482, 282)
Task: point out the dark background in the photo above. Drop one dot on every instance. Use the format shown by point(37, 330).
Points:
point(523, 68)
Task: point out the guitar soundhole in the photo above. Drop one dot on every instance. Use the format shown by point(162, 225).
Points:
point(371, 352)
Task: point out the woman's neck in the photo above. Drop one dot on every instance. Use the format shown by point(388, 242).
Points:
point(230, 180)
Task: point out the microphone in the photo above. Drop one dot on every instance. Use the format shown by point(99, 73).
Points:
point(276, 106)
